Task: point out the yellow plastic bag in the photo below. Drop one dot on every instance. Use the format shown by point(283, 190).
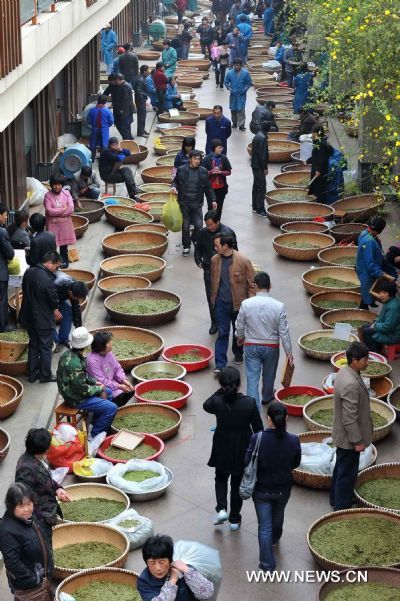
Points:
point(83, 467)
point(172, 215)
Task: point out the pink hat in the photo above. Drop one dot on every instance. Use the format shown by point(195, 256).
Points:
point(120, 50)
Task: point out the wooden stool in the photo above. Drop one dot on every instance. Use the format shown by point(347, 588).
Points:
point(392, 351)
point(71, 415)
point(114, 187)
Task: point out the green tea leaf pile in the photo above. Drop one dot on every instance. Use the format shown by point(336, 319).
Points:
point(189, 357)
point(145, 306)
point(133, 216)
point(291, 196)
point(91, 509)
point(355, 323)
point(301, 245)
point(144, 422)
point(298, 399)
point(347, 260)
point(336, 304)
point(325, 418)
point(133, 246)
point(375, 368)
point(334, 282)
point(106, 591)
point(326, 344)
point(134, 268)
point(142, 451)
point(154, 375)
point(129, 523)
point(128, 349)
point(161, 395)
point(358, 542)
point(82, 556)
point(365, 592)
point(15, 336)
point(140, 476)
point(384, 492)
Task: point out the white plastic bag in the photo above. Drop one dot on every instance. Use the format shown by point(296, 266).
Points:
point(137, 535)
point(201, 557)
point(366, 457)
point(65, 433)
point(95, 443)
point(101, 467)
point(59, 474)
point(36, 191)
point(317, 458)
point(116, 476)
point(66, 597)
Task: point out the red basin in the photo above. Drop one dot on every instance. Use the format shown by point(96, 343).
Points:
point(164, 384)
point(297, 410)
point(149, 439)
point(206, 353)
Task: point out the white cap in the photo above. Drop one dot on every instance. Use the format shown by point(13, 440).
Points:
point(81, 338)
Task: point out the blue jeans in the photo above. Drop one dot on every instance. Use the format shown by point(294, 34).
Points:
point(103, 410)
point(65, 324)
point(257, 358)
point(344, 478)
point(224, 317)
point(270, 510)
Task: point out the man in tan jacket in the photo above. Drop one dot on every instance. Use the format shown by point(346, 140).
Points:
point(352, 425)
point(232, 281)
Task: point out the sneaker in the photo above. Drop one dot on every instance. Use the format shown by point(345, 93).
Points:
point(235, 527)
point(220, 518)
point(238, 360)
point(261, 213)
point(216, 371)
point(186, 252)
point(254, 210)
point(242, 128)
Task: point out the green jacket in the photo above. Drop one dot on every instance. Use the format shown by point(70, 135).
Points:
point(73, 382)
point(387, 325)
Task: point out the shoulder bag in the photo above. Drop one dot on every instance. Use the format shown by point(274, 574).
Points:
point(249, 478)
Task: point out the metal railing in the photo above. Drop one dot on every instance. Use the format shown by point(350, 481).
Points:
point(29, 9)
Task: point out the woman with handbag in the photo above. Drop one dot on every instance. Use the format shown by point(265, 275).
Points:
point(279, 453)
point(237, 417)
point(27, 553)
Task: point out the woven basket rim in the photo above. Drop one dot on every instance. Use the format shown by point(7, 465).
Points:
point(333, 312)
point(340, 226)
point(372, 469)
point(322, 354)
point(8, 439)
point(151, 291)
point(165, 432)
point(161, 261)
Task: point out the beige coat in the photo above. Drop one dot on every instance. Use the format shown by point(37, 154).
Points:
point(352, 421)
point(241, 276)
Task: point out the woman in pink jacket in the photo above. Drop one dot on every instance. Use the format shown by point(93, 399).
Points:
point(59, 207)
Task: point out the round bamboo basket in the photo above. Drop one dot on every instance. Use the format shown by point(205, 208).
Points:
point(287, 122)
point(383, 576)
point(301, 254)
point(107, 286)
point(138, 216)
point(284, 212)
point(318, 481)
point(153, 408)
point(148, 55)
point(156, 210)
point(360, 208)
point(141, 319)
point(10, 350)
point(82, 275)
point(19, 387)
point(166, 144)
point(121, 200)
point(191, 81)
point(17, 367)
point(113, 263)
point(202, 65)
point(322, 355)
point(156, 244)
point(304, 226)
point(279, 195)
point(9, 400)
point(91, 209)
point(381, 387)
point(293, 179)
point(154, 187)
point(384, 470)
point(171, 20)
point(162, 369)
point(327, 402)
point(86, 577)
point(85, 532)
point(151, 227)
point(190, 105)
point(156, 175)
point(181, 131)
point(329, 318)
point(350, 297)
point(394, 401)
point(346, 274)
point(138, 154)
point(204, 112)
point(4, 444)
point(136, 335)
point(80, 225)
point(295, 156)
point(280, 151)
point(348, 232)
point(294, 167)
point(347, 514)
point(332, 256)
point(184, 117)
point(167, 160)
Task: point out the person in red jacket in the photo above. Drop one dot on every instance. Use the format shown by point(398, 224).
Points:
point(160, 84)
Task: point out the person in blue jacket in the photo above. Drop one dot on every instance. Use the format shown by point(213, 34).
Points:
point(279, 52)
point(108, 43)
point(242, 17)
point(234, 40)
point(370, 262)
point(151, 89)
point(100, 119)
point(302, 84)
point(115, 64)
point(269, 20)
point(172, 97)
point(182, 158)
point(386, 328)
point(218, 127)
point(238, 81)
point(247, 33)
point(335, 180)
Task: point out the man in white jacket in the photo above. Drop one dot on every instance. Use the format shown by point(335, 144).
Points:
point(260, 326)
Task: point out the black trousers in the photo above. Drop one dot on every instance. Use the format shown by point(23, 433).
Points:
point(140, 115)
point(192, 215)
point(221, 493)
point(120, 176)
point(259, 189)
point(123, 125)
point(160, 101)
point(220, 71)
point(64, 253)
point(123, 398)
point(220, 194)
point(205, 47)
point(3, 305)
point(373, 345)
point(39, 353)
point(344, 478)
point(207, 285)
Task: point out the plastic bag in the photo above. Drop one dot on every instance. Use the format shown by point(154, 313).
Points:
point(172, 214)
point(95, 443)
point(115, 476)
point(366, 458)
point(66, 597)
point(317, 458)
point(65, 433)
point(201, 557)
point(59, 474)
point(89, 466)
point(36, 191)
point(64, 453)
point(137, 535)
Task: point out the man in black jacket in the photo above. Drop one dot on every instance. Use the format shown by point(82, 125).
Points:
point(263, 113)
point(6, 254)
point(70, 294)
point(128, 65)
point(140, 100)
point(122, 102)
point(39, 314)
point(109, 168)
point(191, 183)
point(259, 165)
point(42, 242)
point(204, 252)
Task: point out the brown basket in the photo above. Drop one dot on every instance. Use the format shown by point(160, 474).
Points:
point(156, 175)
point(155, 187)
point(327, 402)
point(135, 157)
point(9, 400)
point(382, 387)
point(121, 222)
point(14, 368)
point(389, 576)
point(346, 274)
point(293, 179)
point(137, 334)
point(167, 143)
point(304, 226)
point(112, 244)
point(184, 117)
point(318, 481)
point(123, 260)
point(360, 208)
point(354, 297)
point(322, 355)
point(204, 112)
point(348, 232)
point(80, 224)
point(180, 130)
point(384, 470)
point(104, 491)
point(190, 105)
point(4, 444)
point(330, 256)
point(329, 318)
point(156, 210)
point(151, 227)
point(295, 156)
point(84, 532)
point(202, 65)
point(346, 514)
point(393, 399)
point(280, 151)
point(10, 350)
point(82, 275)
point(138, 319)
point(294, 167)
point(157, 408)
point(148, 55)
point(289, 195)
point(130, 281)
point(284, 212)
point(115, 575)
point(91, 209)
point(121, 200)
point(283, 122)
point(301, 254)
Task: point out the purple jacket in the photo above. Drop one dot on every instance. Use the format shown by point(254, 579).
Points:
point(107, 370)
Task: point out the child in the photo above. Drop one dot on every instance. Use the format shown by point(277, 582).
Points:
point(215, 60)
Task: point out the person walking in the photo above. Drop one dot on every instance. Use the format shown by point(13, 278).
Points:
point(247, 33)
point(108, 43)
point(385, 330)
point(71, 294)
point(186, 38)
point(6, 254)
point(204, 252)
point(122, 101)
point(291, 55)
point(110, 169)
point(206, 36)
point(140, 100)
point(269, 19)
point(191, 184)
point(42, 242)
point(352, 425)
point(169, 58)
point(238, 81)
point(218, 168)
point(160, 84)
point(59, 206)
point(128, 65)
point(259, 167)
point(278, 455)
point(232, 281)
point(260, 326)
point(234, 40)
point(303, 82)
point(218, 127)
point(100, 119)
point(237, 418)
point(223, 63)
point(39, 313)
